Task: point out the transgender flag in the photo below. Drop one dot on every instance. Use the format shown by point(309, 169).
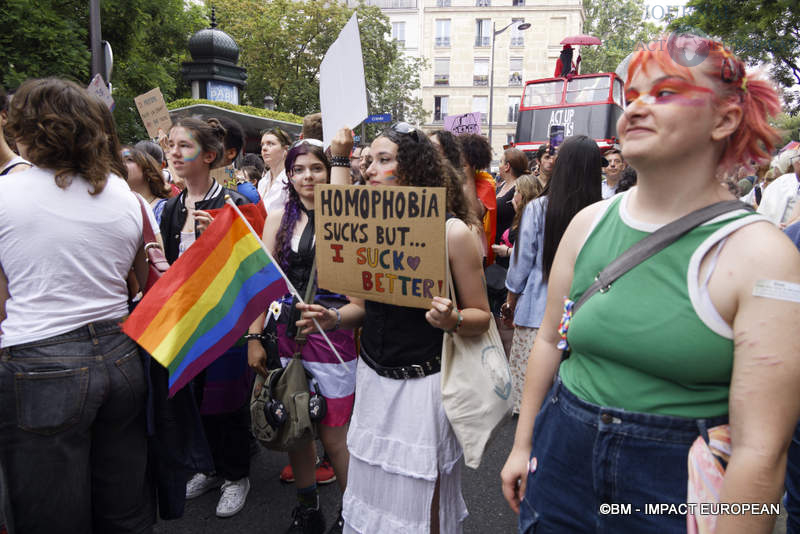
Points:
point(205, 302)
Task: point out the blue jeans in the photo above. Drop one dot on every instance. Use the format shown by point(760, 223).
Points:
point(73, 446)
point(588, 455)
point(792, 501)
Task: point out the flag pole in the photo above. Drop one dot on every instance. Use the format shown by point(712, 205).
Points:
point(291, 287)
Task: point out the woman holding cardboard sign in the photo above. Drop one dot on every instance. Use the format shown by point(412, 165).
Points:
point(289, 234)
point(404, 458)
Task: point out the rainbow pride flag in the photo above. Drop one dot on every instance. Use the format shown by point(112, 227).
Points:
point(207, 299)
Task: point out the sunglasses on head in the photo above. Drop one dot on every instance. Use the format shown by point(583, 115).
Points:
point(314, 142)
point(405, 128)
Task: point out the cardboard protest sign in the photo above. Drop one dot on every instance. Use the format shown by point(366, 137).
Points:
point(383, 244)
point(342, 88)
point(153, 110)
point(97, 87)
point(468, 123)
point(225, 176)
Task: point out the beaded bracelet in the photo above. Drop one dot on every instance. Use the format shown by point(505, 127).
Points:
point(339, 161)
point(458, 323)
point(250, 337)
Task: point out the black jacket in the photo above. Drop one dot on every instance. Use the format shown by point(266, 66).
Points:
point(174, 217)
point(177, 440)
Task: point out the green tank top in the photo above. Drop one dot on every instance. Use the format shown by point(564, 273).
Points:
point(650, 344)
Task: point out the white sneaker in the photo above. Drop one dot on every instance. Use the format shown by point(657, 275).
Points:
point(200, 484)
point(234, 493)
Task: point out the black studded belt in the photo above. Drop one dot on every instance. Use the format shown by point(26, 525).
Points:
point(404, 372)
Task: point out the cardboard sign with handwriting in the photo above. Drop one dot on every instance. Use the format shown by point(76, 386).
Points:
point(225, 176)
point(468, 123)
point(97, 87)
point(153, 110)
point(383, 244)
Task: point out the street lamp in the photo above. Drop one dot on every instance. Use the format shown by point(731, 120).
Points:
point(495, 33)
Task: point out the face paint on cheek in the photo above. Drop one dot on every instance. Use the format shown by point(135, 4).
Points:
point(389, 175)
point(127, 153)
point(195, 152)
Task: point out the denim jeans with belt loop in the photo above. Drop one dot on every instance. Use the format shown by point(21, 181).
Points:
point(589, 458)
point(792, 499)
point(73, 444)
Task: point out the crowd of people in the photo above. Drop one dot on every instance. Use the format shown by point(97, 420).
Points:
point(679, 389)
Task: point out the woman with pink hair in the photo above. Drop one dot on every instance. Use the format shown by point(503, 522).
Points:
point(686, 342)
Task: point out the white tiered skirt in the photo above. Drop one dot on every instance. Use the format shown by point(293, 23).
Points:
point(400, 441)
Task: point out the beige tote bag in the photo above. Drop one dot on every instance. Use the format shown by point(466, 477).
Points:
point(476, 383)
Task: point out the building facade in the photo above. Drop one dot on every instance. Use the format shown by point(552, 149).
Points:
point(456, 38)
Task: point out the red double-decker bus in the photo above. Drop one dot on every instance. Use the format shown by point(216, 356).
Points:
point(587, 104)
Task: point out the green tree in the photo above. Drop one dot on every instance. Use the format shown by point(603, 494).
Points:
point(148, 38)
point(283, 42)
point(620, 25)
point(43, 38)
point(758, 31)
point(397, 94)
point(789, 127)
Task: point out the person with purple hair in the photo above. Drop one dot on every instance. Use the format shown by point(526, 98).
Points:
point(289, 234)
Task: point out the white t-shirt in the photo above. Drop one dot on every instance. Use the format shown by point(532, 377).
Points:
point(776, 195)
point(274, 197)
point(66, 253)
point(606, 190)
point(16, 160)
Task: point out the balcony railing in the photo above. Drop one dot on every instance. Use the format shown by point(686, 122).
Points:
point(439, 117)
point(393, 4)
point(518, 3)
point(481, 80)
point(441, 79)
point(483, 3)
point(515, 79)
point(517, 41)
point(483, 41)
point(400, 42)
point(442, 3)
point(442, 41)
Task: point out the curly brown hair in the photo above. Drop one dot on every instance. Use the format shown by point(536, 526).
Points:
point(419, 164)
point(475, 151)
point(150, 171)
point(65, 130)
point(450, 147)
